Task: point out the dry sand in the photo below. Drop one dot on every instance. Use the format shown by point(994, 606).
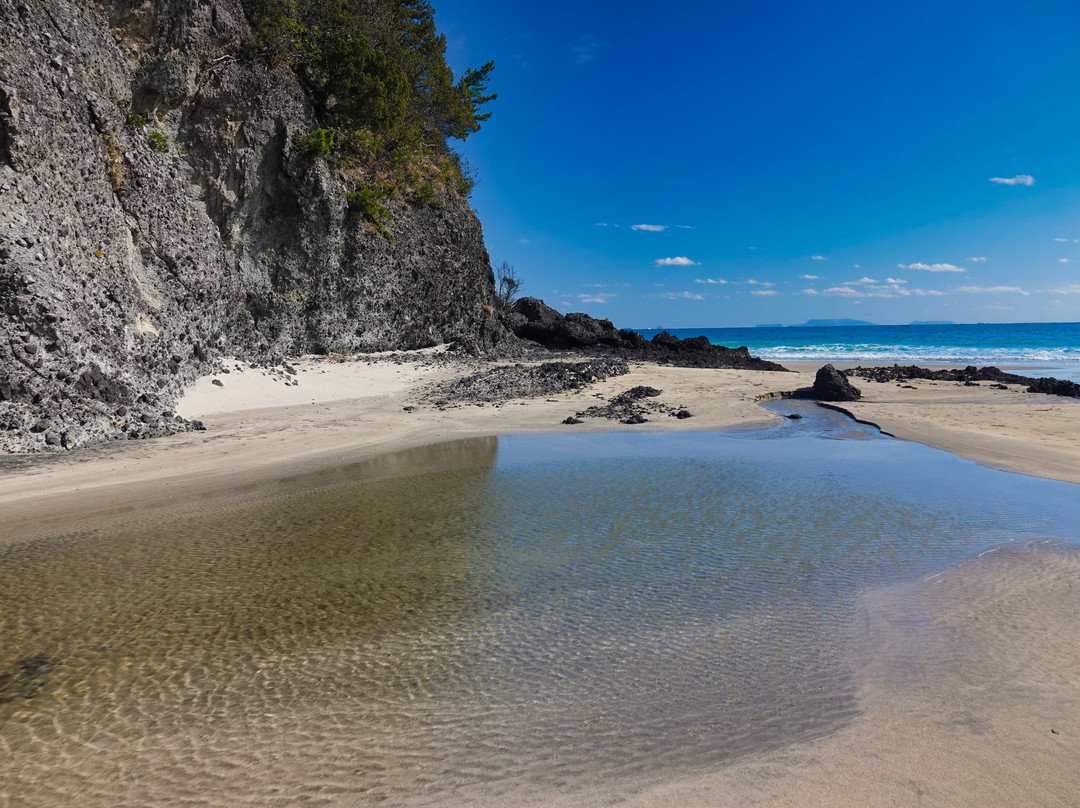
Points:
point(961, 715)
point(260, 428)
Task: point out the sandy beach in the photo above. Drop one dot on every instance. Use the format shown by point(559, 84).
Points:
point(263, 426)
point(982, 696)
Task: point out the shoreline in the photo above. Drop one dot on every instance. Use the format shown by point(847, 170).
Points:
point(926, 730)
point(266, 428)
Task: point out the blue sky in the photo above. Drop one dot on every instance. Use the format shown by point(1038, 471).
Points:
point(729, 164)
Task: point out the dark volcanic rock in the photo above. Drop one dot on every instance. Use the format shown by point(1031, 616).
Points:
point(533, 319)
point(525, 381)
point(903, 373)
point(832, 385)
point(572, 420)
point(636, 418)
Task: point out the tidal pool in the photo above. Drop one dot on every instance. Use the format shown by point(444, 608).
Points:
point(489, 620)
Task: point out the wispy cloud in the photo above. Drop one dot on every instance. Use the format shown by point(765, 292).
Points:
point(1063, 260)
point(601, 224)
point(684, 226)
point(835, 291)
point(683, 296)
point(933, 267)
point(818, 258)
point(889, 290)
point(651, 228)
point(586, 48)
point(709, 280)
point(992, 290)
point(763, 292)
point(1070, 289)
point(678, 261)
point(810, 277)
point(978, 259)
point(1019, 179)
point(753, 282)
point(1062, 240)
point(596, 297)
point(895, 280)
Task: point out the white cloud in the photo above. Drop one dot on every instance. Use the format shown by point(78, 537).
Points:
point(818, 258)
point(679, 261)
point(753, 282)
point(1070, 289)
point(874, 289)
point(763, 292)
point(933, 267)
point(1063, 260)
point(918, 292)
point(651, 228)
point(682, 296)
point(751, 248)
point(978, 259)
point(838, 291)
point(601, 224)
point(866, 280)
point(596, 297)
point(1019, 179)
point(992, 290)
point(895, 280)
point(1062, 240)
point(684, 227)
point(810, 277)
point(709, 280)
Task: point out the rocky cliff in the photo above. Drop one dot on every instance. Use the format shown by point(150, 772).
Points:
point(155, 215)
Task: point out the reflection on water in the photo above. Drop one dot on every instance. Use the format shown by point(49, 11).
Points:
point(441, 623)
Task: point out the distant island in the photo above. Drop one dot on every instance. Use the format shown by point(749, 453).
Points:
point(831, 323)
point(931, 322)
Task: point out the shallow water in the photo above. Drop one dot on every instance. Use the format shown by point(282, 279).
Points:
point(536, 615)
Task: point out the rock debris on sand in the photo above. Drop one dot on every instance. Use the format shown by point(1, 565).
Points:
point(525, 381)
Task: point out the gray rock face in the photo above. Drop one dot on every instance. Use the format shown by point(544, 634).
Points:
point(132, 257)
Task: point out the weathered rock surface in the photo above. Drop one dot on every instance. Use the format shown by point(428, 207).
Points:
point(532, 319)
point(133, 256)
point(525, 381)
point(970, 374)
point(832, 385)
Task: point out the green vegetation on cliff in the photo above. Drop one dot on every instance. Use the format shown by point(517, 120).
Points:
point(377, 77)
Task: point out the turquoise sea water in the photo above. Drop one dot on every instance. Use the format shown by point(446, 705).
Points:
point(1048, 349)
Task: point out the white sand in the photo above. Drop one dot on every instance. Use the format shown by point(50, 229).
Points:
point(970, 723)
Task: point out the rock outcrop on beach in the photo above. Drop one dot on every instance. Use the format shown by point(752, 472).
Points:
point(968, 375)
point(832, 385)
point(505, 382)
point(532, 319)
point(156, 213)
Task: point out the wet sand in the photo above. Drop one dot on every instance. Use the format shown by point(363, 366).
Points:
point(970, 692)
point(958, 715)
point(259, 430)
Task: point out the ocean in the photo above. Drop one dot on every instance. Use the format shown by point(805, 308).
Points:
point(1043, 349)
